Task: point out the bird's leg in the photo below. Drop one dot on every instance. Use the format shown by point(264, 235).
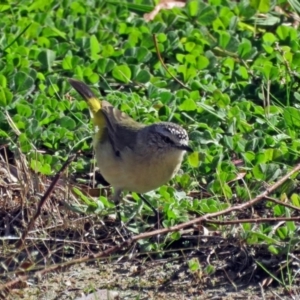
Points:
point(151, 206)
point(123, 232)
point(117, 199)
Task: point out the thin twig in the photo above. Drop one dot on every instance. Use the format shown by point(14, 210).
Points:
point(258, 220)
point(164, 66)
point(20, 242)
point(283, 204)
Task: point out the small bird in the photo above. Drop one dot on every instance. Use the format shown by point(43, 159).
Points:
point(132, 156)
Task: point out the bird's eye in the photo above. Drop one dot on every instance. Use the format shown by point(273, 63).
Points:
point(167, 140)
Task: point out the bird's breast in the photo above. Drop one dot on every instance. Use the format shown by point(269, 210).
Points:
point(137, 172)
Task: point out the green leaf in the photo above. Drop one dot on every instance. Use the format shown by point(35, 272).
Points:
point(165, 96)
point(291, 117)
point(193, 160)
point(122, 73)
point(67, 122)
point(4, 7)
point(278, 210)
point(193, 8)
point(143, 76)
point(5, 96)
point(67, 63)
point(24, 110)
point(108, 50)
point(202, 62)
point(273, 249)
point(143, 54)
point(291, 226)
point(194, 264)
point(188, 105)
point(295, 200)
point(269, 38)
point(88, 201)
point(207, 15)
point(3, 81)
point(263, 6)
point(285, 32)
point(105, 65)
point(94, 47)
point(295, 5)
point(24, 143)
point(52, 31)
point(282, 232)
point(23, 83)
point(40, 167)
point(47, 58)
point(175, 236)
point(224, 39)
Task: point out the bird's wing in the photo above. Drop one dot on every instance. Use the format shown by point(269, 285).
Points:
point(122, 129)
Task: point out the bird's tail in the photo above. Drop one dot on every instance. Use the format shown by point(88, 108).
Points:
point(93, 102)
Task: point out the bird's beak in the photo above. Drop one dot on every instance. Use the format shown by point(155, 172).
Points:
point(186, 148)
point(189, 149)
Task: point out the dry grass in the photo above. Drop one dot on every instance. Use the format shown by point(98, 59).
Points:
point(222, 266)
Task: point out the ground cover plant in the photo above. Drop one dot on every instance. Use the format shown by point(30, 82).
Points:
point(228, 72)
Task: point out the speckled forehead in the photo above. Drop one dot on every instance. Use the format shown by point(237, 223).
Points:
point(178, 131)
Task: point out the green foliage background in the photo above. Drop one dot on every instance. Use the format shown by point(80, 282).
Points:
point(239, 63)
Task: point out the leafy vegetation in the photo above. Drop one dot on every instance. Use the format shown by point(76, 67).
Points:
point(237, 92)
